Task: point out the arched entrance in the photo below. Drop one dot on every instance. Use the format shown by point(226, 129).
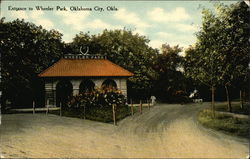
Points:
point(109, 84)
point(86, 86)
point(64, 90)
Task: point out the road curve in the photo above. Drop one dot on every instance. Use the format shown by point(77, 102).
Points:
point(164, 131)
point(173, 131)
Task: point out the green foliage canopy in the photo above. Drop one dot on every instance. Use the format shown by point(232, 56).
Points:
point(131, 51)
point(26, 50)
point(171, 79)
point(221, 53)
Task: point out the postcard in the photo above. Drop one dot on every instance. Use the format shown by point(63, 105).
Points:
point(124, 79)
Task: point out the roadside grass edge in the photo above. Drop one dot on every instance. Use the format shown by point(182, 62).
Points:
point(225, 123)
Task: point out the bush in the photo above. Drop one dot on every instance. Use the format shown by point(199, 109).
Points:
point(97, 104)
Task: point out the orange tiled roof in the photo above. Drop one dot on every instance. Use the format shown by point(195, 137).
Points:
point(84, 67)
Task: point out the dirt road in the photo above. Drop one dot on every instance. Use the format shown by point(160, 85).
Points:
point(165, 131)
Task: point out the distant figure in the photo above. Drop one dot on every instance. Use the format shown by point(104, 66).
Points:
point(153, 98)
point(195, 96)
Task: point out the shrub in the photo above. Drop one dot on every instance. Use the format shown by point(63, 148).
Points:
point(97, 104)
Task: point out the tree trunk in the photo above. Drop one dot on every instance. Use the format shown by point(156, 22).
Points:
point(241, 100)
point(229, 106)
point(213, 107)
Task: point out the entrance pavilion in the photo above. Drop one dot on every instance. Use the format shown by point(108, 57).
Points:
point(74, 74)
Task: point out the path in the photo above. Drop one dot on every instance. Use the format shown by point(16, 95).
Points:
point(166, 131)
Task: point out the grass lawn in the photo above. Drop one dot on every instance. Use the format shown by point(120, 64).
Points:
point(96, 114)
point(100, 115)
point(225, 123)
point(235, 107)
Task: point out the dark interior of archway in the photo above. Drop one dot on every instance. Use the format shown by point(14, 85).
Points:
point(109, 84)
point(64, 91)
point(86, 86)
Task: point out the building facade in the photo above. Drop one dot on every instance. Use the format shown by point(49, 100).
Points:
point(74, 74)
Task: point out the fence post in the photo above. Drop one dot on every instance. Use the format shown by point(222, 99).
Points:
point(132, 107)
point(84, 111)
point(33, 107)
point(47, 107)
point(60, 108)
point(148, 103)
point(114, 117)
point(47, 111)
point(140, 106)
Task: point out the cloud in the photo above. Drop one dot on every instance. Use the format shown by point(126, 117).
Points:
point(180, 44)
point(186, 27)
point(68, 37)
point(78, 21)
point(176, 15)
point(139, 31)
point(131, 18)
point(35, 16)
point(20, 15)
point(45, 23)
point(156, 43)
point(175, 37)
point(164, 35)
point(99, 24)
point(75, 19)
point(38, 18)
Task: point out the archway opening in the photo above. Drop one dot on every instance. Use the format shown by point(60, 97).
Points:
point(109, 84)
point(86, 86)
point(64, 91)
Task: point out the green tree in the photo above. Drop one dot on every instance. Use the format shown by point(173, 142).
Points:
point(221, 52)
point(200, 65)
point(171, 79)
point(131, 51)
point(26, 50)
point(235, 45)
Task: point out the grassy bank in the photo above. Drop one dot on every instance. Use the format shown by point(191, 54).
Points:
point(235, 107)
point(225, 123)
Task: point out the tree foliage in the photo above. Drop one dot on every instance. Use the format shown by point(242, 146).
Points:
point(171, 82)
point(131, 51)
point(221, 54)
point(219, 57)
point(26, 50)
point(235, 44)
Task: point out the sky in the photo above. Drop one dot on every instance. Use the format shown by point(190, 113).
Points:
point(171, 22)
